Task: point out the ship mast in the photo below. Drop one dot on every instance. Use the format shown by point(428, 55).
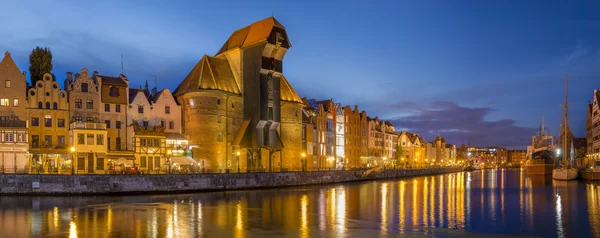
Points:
point(565, 119)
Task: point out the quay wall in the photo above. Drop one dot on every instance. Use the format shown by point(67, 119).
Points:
point(30, 184)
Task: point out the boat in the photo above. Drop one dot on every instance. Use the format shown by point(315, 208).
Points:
point(566, 171)
point(542, 157)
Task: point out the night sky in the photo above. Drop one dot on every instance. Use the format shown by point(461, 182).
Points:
point(480, 70)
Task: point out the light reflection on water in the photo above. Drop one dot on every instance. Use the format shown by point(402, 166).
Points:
point(492, 201)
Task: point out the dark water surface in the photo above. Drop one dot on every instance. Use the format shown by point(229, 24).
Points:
point(490, 202)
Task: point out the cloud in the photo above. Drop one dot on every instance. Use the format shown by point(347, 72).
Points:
point(577, 53)
point(457, 124)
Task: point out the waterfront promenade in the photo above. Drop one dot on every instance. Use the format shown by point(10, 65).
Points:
point(30, 184)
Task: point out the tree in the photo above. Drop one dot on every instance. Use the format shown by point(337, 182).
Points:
point(399, 154)
point(40, 62)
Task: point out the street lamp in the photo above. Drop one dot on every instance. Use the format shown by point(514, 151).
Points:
point(169, 152)
point(238, 160)
point(303, 162)
point(72, 160)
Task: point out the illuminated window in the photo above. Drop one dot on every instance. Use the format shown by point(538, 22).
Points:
point(15, 102)
point(7, 84)
point(4, 102)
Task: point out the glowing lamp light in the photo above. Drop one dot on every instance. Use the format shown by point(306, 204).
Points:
point(72, 149)
point(237, 153)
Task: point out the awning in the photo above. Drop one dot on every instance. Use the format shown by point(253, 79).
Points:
point(183, 160)
point(175, 136)
point(124, 157)
point(123, 161)
point(241, 133)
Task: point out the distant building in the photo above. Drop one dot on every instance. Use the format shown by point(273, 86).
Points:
point(487, 155)
point(413, 150)
point(593, 129)
point(352, 141)
point(516, 157)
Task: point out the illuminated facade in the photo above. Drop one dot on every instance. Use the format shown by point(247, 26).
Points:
point(352, 143)
point(487, 155)
point(239, 101)
point(48, 114)
point(13, 117)
point(413, 151)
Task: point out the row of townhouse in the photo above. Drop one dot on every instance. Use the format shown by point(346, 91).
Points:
point(95, 124)
point(336, 136)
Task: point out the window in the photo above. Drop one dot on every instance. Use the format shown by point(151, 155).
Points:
point(100, 163)
point(167, 110)
point(15, 102)
point(84, 87)
point(99, 139)
point(61, 122)
point(55, 106)
point(35, 121)
point(163, 124)
point(145, 123)
point(219, 101)
point(107, 122)
point(143, 142)
point(47, 105)
point(117, 108)
point(118, 125)
point(48, 121)
point(219, 119)
point(48, 140)
point(219, 137)
point(40, 105)
point(90, 139)
point(107, 107)
point(143, 161)
point(89, 119)
point(78, 103)
point(78, 119)
point(89, 104)
point(61, 140)
point(171, 125)
point(80, 163)
point(114, 91)
point(9, 137)
point(140, 109)
point(80, 139)
point(4, 102)
point(7, 84)
point(35, 141)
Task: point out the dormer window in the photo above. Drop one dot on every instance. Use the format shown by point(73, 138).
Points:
point(84, 87)
point(114, 91)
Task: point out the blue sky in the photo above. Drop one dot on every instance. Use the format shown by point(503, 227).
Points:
point(470, 69)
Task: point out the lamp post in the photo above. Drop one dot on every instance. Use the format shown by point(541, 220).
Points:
point(238, 160)
point(169, 160)
point(72, 160)
point(303, 162)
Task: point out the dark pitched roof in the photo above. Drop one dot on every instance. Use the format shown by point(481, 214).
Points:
point(210, 73)
point(253, 33)
point(326, 104)
point(132, 94)
point(113, 80)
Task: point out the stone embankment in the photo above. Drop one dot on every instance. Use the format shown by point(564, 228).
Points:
point(18, 184)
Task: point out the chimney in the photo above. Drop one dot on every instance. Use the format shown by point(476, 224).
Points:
point(69, 77)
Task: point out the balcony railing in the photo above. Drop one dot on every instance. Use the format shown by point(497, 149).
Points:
point(87, 125)
point(13, 123)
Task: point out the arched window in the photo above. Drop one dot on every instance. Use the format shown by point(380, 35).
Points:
point(40, 105)
point(55, 106)
point(47, 105)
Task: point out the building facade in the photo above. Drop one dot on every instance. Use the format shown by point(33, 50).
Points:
point(114, 98)
point(352, 141)
point(13, 118)
point(84, 97)
point(239, 101)
point(48, 114)
point(516, 157)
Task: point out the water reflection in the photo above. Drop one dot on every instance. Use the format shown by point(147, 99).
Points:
point(491, 201)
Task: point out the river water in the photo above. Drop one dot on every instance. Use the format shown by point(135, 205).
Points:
point(491, 202)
